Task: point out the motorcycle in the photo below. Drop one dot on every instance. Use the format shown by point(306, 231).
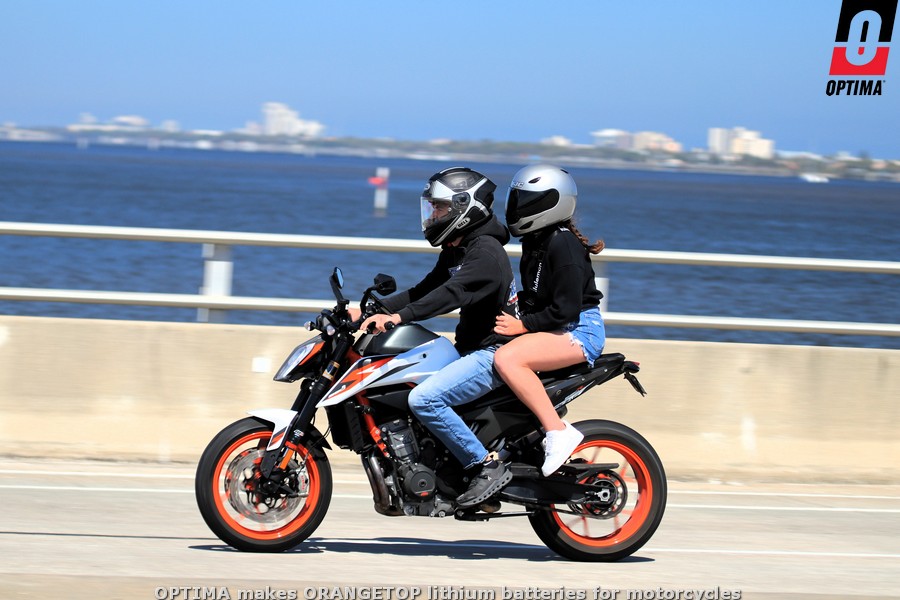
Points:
point(264, 483)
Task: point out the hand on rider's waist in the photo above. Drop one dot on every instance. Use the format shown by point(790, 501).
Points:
point(509, 325)
point(378, 321)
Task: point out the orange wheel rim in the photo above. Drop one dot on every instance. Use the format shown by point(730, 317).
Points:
point(220, 494)
point(636, 514)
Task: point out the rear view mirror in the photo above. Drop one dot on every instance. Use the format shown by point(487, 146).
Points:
point(338, 277)
point(385, 284)
point(337, 282)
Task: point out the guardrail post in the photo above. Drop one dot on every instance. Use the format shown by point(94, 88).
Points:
point(602, 282)
point(217, 274)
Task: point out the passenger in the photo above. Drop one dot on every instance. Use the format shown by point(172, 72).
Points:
point(560, 321)
point(472, 274)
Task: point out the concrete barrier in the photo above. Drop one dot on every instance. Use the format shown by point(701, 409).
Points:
point(114, 390)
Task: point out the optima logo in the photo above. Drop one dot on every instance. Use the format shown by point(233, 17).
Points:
point(861, 46)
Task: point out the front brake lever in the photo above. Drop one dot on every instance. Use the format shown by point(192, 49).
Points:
point(380, 305)
point(358, 323)
point(371, 327)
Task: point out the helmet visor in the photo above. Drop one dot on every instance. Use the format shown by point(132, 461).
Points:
point(434, 212)
point(524, 203)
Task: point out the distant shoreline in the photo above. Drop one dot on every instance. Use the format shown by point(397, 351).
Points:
point(807, 169)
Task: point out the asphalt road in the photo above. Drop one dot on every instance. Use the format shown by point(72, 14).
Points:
point(113, 530)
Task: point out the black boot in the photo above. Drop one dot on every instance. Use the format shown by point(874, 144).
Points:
point(492, 477)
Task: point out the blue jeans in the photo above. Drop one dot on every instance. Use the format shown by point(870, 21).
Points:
point(458, 383)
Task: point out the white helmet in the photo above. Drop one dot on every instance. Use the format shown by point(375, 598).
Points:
point(539, 196)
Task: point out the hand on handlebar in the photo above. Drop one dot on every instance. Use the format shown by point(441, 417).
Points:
point(379, 323)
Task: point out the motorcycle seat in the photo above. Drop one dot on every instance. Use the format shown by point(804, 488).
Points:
point(611, 360)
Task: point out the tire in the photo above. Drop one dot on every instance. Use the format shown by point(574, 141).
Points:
point(608, 533)
point(241, 517)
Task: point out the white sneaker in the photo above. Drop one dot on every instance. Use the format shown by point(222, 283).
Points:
point(558, 446)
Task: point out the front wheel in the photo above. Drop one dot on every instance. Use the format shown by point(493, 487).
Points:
point(238, 508)
point(637, 488)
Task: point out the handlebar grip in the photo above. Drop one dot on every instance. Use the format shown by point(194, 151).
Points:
point(389, 325)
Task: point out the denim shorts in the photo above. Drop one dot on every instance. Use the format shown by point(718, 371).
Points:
point(589, 333)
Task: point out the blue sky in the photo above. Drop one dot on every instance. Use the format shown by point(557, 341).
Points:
point(519, 71)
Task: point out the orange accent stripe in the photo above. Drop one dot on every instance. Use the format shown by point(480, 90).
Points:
point(276, 439)
point(287, 459)
point(314, 351)
point(374, 431)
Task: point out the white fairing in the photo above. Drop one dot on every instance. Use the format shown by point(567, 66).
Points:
point(280, 418)
point(413, 366)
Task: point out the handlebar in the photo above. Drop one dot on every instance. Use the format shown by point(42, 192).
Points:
point(330, 322)
point(387, 327)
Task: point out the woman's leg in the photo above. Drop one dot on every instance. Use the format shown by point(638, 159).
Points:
point(517, 361)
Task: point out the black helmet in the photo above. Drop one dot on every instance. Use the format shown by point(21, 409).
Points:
point(454, 202)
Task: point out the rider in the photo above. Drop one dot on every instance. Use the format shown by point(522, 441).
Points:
point(473, 275)
point(560, 317)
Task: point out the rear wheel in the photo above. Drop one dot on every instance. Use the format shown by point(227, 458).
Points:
point(239, 509)
point(635, 494)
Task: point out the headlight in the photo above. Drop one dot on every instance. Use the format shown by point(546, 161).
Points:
point(301, 355)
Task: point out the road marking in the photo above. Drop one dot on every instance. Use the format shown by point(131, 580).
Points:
point(517, 546)
point(78, 488)
point(66, 473)
point(74, 488)
point(113, 475)
point(780, 494)
point(676, 493)
point(785, 508)
point(119, 475)
point(771, 553)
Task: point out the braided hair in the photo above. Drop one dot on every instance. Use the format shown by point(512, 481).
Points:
point(594, 248)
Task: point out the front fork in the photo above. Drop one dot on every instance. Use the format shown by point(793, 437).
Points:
point(292, 426)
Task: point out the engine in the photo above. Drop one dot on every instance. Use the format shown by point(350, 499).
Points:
point(416, 481)
point(400, 437)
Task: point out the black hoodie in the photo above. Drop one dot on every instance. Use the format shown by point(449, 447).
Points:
point(475, 277)
point(557, 279)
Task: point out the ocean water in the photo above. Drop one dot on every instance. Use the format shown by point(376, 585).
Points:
point(328, 195)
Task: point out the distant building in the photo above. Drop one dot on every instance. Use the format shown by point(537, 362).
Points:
point(122, 123)
point(280, 119)
point(739, 141)
point(643, 141)
point(557, 140)
point(719, 140)
point(654, 141)
point(130, 122)
point(9, 132)
point(612, 138)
